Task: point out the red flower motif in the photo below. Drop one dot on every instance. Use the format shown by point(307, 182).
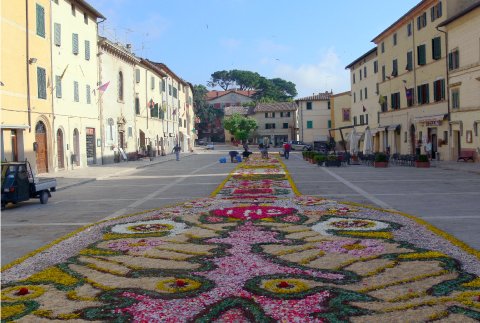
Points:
point(22, 291)
point(254, 212)
point(283, 284)
point(180, 283)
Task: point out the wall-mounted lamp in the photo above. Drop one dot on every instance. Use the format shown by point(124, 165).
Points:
point(32, 60)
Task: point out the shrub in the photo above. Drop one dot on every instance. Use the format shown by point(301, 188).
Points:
point(319, 158)
point(422, 158)
point(381, 157)
point(332, 158)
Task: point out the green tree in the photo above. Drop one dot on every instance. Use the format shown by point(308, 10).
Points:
point(245, 80)
point(206, 113)
point(240, 126)
point(222, 79)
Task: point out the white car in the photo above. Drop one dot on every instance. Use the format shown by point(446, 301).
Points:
point(300, 145)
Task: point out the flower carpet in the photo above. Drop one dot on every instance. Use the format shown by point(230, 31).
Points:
point(254, 251)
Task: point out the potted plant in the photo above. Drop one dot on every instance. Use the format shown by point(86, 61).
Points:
point(304, 155)
point(381, 160)
point(422, 161)
point(332, 160)
point(320, 159)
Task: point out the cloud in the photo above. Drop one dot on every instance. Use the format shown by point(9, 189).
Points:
point(327, 74)
point(269, 47)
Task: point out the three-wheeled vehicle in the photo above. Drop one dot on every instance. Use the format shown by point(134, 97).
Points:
point(19, 184)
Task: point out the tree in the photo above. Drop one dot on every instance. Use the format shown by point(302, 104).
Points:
point(222, 79)
point(206, 113)
point(240, 126)
point(245, 80)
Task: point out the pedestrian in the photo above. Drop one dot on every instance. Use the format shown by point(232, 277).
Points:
point(233, 154)
point(286, 150)
point(177, 149)
point(428, 149)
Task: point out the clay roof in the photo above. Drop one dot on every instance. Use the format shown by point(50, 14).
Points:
point(316, 97)
point(275, 106)
point(460, 14)
point(216, 94)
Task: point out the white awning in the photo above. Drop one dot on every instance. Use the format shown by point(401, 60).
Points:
point(15, 126)
point(433, 118)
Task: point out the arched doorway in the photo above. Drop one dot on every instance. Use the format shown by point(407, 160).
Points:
point(41, 147)
point(76, 148)
point(60, 151)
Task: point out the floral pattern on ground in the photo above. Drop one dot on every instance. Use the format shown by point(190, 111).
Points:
point(249, 253)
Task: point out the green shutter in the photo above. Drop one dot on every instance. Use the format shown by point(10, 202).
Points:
point(41, 83)
point(409, 61)
point(40, 21)
point(58, 86)
point(76, 97)
point(443, 89)
point(421, 55)
point(329, 124)
point(57, 34)
point(87, 50)
point(436, 48)
point(427, 91)
point(419, 94)
point(88, 94)
point(75, 43)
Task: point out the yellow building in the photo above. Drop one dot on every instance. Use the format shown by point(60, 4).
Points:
point(341, 116)
point(26, 85)
point(412, 79)
point(463, 32)
point(314, 118)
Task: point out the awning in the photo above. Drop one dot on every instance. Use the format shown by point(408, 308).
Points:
point(430, 119)
point(393, 127)
point(15, 126)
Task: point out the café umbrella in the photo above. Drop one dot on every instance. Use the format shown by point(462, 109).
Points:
point(367, 142)
point(353, 140)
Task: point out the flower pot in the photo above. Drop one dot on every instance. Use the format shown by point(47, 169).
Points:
point(380, 164)
point(420, 164)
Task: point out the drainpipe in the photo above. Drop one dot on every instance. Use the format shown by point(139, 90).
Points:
point(27, 39)
point(447, 83)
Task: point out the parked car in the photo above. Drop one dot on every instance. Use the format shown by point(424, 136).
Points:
point(300, 145)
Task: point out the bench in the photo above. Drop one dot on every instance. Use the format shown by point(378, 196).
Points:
point(466, 155)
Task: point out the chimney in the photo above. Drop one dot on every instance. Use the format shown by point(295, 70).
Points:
point(129, 47)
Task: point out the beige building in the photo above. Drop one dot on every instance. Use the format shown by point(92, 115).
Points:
point(341, 116)
point(412, 79)
point(314, 117)
point(77, 134)
point(463, 32)
point(117, 117)
point(276, 121)
point(26, 83)
point(365, 108)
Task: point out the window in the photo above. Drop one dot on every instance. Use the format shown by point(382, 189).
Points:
point(409, 94)
point(137, 75)
point(384, 103)
point(137, 106)
point(110, 123)
point(269, 126)
point(365, 71)
point(354, 97)
point(269, 114)
point(454, 60)
point(456, 98)
point(439, 90)
point(309, 105)
point(89, 98)
point(85, 18)
point(366, 96)
point(366, 119)
point(152, 82)
point(422, 21)
point(436, 11)
point(395, 39)
point(377, 88)
point(409, 66)
point(120, 86)
point(130, 132)
point(383, 73)
point(57, 34)
point(175, 92)
point(169, 89)
point(163, 85)
point(73, 10)
point(361, 95)
point(395, 101)
point(360, 72)
point(375, 67)
point(309, 124)
point(445, 137)
point(41, 83)
point(76, 96)
point(394, 68)
point(346, 114)
point(87, 50)
point(409, 29)
point(328, 105)
point(75, 44)
point(362, 119)
point(355, 120)
point(436, 48)
point(423, 94)
point(353, 77)
point(382, 46)
point(421, 55)
point(285, 125)
point(329, 124)
point(40, 12)
point(58, 86)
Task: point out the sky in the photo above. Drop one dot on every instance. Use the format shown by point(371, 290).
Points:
point(307, 42)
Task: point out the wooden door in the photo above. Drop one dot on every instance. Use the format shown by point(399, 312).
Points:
point(60, 151)
point(41, 153)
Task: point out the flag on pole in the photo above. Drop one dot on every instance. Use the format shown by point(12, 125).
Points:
point(364, 109)
point(103, 87)
point(174, 111)
point(63, 73)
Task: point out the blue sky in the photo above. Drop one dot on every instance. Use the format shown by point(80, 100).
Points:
point(307, 42)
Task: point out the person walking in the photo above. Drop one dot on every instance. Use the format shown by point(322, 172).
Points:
point(177, 149)
point(286, 150)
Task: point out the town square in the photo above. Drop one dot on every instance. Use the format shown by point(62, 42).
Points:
point(132, 192)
